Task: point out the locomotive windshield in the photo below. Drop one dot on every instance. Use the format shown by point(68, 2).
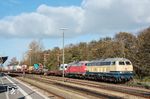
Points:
point(128, 63)
point(121, 63)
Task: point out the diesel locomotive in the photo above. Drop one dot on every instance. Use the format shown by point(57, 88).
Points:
point(110, 69)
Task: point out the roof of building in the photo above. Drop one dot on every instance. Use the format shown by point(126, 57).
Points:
point(3, 59)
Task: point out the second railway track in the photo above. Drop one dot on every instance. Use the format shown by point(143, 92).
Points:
point(119, 88)
point(127, 91)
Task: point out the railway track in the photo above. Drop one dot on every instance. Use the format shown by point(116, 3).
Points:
point(119, 88)
point(41, 89)
point(76, 89)
point(69, 91)
point(111, 87)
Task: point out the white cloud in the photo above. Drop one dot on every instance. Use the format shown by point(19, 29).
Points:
point(70, 17)
point(93, 16)
point(105, 16)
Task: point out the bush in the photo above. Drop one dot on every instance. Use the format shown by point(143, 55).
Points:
point(146, 79)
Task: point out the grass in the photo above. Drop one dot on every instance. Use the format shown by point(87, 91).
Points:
point(144, 82)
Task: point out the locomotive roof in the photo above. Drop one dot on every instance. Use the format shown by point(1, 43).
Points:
point(110, 60)
point(77, 62)
point(83, 61)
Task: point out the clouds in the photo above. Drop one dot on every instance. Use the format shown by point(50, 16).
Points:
point(105, 16)
point(93, 16)
point(70, 17)
point(45, 22)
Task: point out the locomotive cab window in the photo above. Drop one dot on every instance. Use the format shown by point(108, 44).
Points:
point(113, 63)
point(128, 63)
point(121, 63)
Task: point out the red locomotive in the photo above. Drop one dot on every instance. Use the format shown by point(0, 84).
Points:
point(76, 69)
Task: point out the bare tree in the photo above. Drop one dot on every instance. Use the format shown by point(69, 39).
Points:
point(34, 53)
point(13, 61)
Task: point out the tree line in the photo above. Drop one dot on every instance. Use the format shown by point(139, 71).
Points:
point(133, 47)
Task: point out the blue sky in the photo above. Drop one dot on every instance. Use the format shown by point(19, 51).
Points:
point(22, 21)
point(15, 7)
